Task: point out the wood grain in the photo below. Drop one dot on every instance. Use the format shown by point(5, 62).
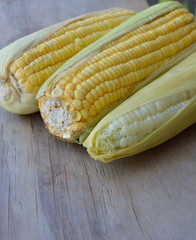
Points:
point(53, 190)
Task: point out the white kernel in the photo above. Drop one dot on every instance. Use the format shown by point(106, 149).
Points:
point(134, 128)
point(151, 126)
point(122, 120)
point(150, 123)
point(159, 118)
point(183, 103)
point(133, 117)
point(155, 120)
point(126, 130)
point(123, 143)
point(116, 136)
point(139, 114)
point(112, 127)
point(145, 127)
point(145, 110)
point(129, 140)
point(159, 105)
point(127, 119)
point(151, 109)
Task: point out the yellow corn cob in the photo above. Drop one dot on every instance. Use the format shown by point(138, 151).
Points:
point(154, 114)
point(28, 62)
point(73, 101)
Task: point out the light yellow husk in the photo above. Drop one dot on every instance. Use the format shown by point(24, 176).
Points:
point(179, 79)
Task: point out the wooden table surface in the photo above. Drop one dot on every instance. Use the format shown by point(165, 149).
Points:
point(53, 190)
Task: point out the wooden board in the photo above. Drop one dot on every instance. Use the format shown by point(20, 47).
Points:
point(53, 190)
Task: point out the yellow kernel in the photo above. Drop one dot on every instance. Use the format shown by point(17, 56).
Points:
point(40, 77)
point(27, 57)
point(69, 106)
point(70, 85)
point(109, 86)
point(84, 74)
point(46, 73)
point(28, 70)
point(81, 76)
point(80, 41)
point(35, 89)
point(74, 126)
point(82, 89)
point(90, 69)
point(94, 93)
point(20, 63)
point(79, 95)
point(42, 64)
point(85, 113)
point(102, 101)
point(76, 80)
point(44, 47)
point(13, 68)
point(28, 88)
point(22, 82)
point(69, 93)
point(77, 104)
point(86, 85)
point(99, 90)
point(77, 116)
point(90, 97)
point(86, 104)
point(62, 86)
point(119, 82)
point(101, 77)
point(91, 82)
point(20, 73)
point(35, 66)
point(92, 112)
point(98, 106)
point(107, 98)
point(33, 79)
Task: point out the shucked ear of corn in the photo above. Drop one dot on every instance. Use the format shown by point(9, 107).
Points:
point(154, 114)
point(80, 93)
point(29, 61)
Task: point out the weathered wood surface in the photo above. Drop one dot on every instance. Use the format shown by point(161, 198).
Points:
point(53, 190)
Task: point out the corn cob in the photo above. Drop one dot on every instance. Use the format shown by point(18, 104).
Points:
point(81, 92)
point(28, 62)
point(151, 116)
